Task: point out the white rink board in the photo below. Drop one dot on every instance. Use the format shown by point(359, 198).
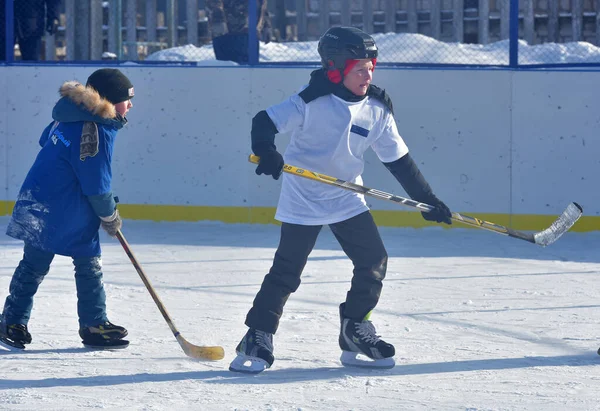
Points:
point(556, 140)
point(189, 134)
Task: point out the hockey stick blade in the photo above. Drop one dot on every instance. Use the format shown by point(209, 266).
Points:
point(211, 353)
point(543, 238)
point(562, 224)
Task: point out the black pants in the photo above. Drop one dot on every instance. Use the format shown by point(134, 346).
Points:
point(360, 240)
point(31, 48)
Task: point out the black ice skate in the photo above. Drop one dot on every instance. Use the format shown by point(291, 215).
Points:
point(358, 337)
point(254, 353)
point(14, 335)
point(105, 336)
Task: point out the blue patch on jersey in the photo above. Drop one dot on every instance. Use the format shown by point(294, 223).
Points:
point(359, 130)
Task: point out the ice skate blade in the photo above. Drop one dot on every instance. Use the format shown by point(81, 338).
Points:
point(350, 359)
point(121, 345)
point(248, 365)
point(10, 344)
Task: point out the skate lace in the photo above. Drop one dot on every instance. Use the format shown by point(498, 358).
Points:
point(263, 339)
point(366, 330)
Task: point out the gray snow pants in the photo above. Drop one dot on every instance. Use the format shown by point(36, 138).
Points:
point(360, 240)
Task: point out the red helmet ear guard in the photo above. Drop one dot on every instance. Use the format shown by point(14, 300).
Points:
point(333, 74)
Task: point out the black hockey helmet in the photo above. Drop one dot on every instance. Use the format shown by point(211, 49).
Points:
point(340, 44)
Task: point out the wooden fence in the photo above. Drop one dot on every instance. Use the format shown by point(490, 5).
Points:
point(474, 21)
point(89, 28)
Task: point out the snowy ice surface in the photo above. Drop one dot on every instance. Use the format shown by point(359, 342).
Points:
point(405, 48)
point(480, 322)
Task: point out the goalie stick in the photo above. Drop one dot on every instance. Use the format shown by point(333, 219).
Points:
point(191, 350)
point(545, 237)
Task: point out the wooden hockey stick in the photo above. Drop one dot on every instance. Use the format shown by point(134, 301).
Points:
point(191, 350)
point(545, 237)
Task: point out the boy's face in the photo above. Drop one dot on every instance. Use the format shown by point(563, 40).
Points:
point(358, 79)
point(123, 107)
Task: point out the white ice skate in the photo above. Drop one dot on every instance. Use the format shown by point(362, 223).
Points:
point(358, 359)
point(361, 346)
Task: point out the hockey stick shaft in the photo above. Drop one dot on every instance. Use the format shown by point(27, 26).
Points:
point(191, 350)
point(546, 239)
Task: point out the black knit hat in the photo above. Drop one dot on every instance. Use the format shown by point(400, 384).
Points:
point(111, 84)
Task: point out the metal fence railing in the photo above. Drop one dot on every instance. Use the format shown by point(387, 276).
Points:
point(408, 32)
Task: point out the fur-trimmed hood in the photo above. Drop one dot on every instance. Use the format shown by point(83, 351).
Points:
point(88, 98)
point(81, 103)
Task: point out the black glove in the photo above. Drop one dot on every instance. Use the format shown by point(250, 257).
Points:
point(271, 163)
point(112, 224)
point(440, 213)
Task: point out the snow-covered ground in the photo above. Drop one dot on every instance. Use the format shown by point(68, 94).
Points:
point(480, 322)
point(406, 48)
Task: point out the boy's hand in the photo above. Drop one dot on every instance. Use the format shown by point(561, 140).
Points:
point(440, 213)
point(112, 224)
point(271, 164)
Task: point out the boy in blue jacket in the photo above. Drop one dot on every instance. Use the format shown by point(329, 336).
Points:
point(63, 201)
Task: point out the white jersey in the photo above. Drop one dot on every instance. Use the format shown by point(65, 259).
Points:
point(330, 136)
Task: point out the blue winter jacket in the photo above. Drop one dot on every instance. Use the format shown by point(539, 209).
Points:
point(53, 211)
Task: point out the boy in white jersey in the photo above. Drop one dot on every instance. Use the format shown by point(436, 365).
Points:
point(333, 121)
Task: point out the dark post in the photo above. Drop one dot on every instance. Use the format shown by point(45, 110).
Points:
point(10, 31)
point(513, 50)
point(252, 37)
